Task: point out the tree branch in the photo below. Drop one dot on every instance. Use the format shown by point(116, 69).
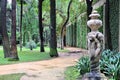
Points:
point(68, 15)
point(64, 25)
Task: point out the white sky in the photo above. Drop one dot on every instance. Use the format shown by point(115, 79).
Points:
point(9, 1)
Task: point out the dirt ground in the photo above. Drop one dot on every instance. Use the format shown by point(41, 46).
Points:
point(52, 69)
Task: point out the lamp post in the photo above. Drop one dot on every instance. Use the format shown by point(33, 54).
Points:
point(95, 42)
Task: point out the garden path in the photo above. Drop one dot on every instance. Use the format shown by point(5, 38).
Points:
point(52, 69)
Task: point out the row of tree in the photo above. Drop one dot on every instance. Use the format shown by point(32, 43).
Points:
point(9, 44)
point(29, 21)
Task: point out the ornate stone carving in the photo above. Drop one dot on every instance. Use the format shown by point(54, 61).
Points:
point(95, 39)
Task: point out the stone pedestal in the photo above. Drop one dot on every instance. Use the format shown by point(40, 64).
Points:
point(94, 76)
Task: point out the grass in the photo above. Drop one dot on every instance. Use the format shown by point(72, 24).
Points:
point(11, 76)
point(27, 55)
point(71, 73)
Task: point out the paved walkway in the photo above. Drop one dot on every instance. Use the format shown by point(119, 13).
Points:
point(52, 69)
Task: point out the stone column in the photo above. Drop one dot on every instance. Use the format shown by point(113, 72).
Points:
point(95, 44)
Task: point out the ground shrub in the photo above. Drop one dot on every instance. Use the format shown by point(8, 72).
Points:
point(31, 45)
point(83, 65)
point(109, 64)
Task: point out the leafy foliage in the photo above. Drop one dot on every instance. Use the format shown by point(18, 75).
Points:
point(31, 45)
point(76, 33)
point(82, 31)
point(109, 63)
point(83, 65)
point(114, 23)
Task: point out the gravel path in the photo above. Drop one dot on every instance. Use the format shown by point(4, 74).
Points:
point(52, 69)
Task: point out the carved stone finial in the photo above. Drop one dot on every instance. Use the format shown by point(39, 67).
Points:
point(94, 14)
point(94, 23)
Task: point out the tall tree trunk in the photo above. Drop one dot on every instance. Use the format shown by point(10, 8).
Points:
point(89, 10)
point(14, 54)
point(64, 40)
point(24, 38)
point(3, 29)
point(21, 2)
point(40, 26)
point(64, 25)
point(108, 41)
point(53, 41)
point(75, 33)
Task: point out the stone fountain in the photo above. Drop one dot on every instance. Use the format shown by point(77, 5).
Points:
point(95, 42)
